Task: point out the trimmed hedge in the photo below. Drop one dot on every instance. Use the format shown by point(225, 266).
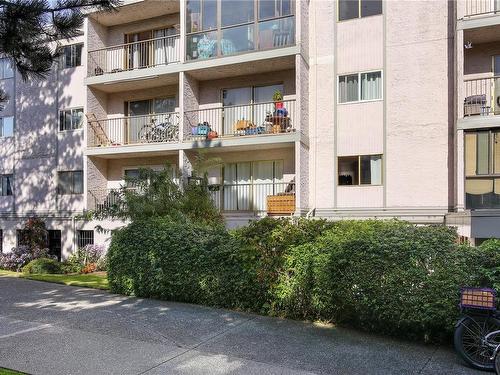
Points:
point(180, 261)
point(43, 266)
point(384, 276)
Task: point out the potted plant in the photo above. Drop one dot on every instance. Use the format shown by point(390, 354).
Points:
point(278, 99)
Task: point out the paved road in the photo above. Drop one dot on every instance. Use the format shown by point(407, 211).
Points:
point(54, 329)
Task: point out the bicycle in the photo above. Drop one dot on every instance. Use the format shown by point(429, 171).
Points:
point(477, 332)
point(165, 131)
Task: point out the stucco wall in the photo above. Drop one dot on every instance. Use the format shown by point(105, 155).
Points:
point(419, 104)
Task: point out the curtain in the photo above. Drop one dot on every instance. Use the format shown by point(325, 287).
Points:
point(348, 88)
point(371, 86)
point(239, 102)
point(482, 153)
point(166, 50)
point(376, 170)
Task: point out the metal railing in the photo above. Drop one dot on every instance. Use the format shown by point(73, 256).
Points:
point(480, 7)
point(154, 128)
point(482, 96)
point(240, 120)
point(248, 197)
point(101, 199)
point(136, 55)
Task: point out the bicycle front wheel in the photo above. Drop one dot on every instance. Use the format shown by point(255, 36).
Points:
point(470, 341)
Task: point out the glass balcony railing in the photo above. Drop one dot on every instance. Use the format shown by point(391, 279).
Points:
point(254, 36)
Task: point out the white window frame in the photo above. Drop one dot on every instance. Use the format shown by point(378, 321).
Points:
point(359, 184)
point(80, 127)
point(13, 127)
point(359, 87)
point(359, 12)
point(73, 56)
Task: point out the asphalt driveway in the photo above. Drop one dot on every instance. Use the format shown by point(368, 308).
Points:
point(55, 329)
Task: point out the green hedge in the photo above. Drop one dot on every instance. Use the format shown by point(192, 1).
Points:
point(180, 261)
point(385, 276)
point(43, 266)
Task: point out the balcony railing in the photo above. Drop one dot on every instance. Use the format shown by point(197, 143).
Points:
point(250, 36)
point(255, 197)
point(136, 55)
point(480, 7)
point(154, 128)
point(482, 97)
point(240, 120)
point(252, 197)
point(482, 192)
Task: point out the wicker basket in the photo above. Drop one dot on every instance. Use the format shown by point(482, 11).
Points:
point(281, 204)
point(478, 298)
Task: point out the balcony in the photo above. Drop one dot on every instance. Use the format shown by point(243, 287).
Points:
point(241, 121)
point(273, 198)
point(134, 130)
point(134, 56)
point(481, 7)
point(482, 97)
point(243, 38)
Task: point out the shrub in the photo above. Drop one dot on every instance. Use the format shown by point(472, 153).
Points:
point(89, 268)
point(384, 276)
point(268, 240)
point(43, 266)
point(89, 254)
point(20, 256)
point(180, 261)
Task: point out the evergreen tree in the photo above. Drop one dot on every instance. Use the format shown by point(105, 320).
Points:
point(30, 31)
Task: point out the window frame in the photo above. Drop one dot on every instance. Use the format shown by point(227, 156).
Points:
point(219, 29)
point(1, 241)
point(359, 184)
point(359, 87)
point(73, 48)
point(63, 112)
point(359, 11)
point(13, 126)
point(72, 184)
point(7, 176)
point(80, 240)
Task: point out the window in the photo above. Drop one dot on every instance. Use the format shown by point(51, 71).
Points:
point(360, 87)
point(70, 119)
point(70, 182)
point(1, 241)
point(54, 243)
point(84, 238)
point(225, 27)
point(6, 184)
point(6, 70)
point(360, 170)
point(7, 126)
point(22, 237)
point(71, 56)
point(349, 9)
point(482, 169)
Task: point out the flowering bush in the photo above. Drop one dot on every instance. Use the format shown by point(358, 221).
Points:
point(89, 268)
point(20, 256)
point(89, 254)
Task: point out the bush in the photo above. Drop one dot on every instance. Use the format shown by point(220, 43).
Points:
point(385, 276)
point(180, 261)
point(268, 240)
point(43, 266)
point(20, 256)
point(81, 258)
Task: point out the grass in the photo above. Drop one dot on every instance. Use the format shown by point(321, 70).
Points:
point(96, 280)
point(6, 371)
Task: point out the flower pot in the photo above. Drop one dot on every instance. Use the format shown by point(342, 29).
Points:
point(278, 105)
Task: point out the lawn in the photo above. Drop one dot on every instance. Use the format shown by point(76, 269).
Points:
point(5, 371)
point(96, 280)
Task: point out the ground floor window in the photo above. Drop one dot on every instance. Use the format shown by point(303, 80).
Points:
point(22, 237)
point(1, 241)
point(55, 243)
point(360, 170)
point(84, 238)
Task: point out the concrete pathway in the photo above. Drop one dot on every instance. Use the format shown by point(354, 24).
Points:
point(53, 329)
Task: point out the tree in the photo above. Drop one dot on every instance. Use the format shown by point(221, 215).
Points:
point(30, 31)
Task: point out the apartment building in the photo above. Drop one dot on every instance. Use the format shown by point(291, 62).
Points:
point(335, 109)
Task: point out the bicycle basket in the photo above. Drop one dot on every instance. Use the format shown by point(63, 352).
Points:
point(478, 298)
